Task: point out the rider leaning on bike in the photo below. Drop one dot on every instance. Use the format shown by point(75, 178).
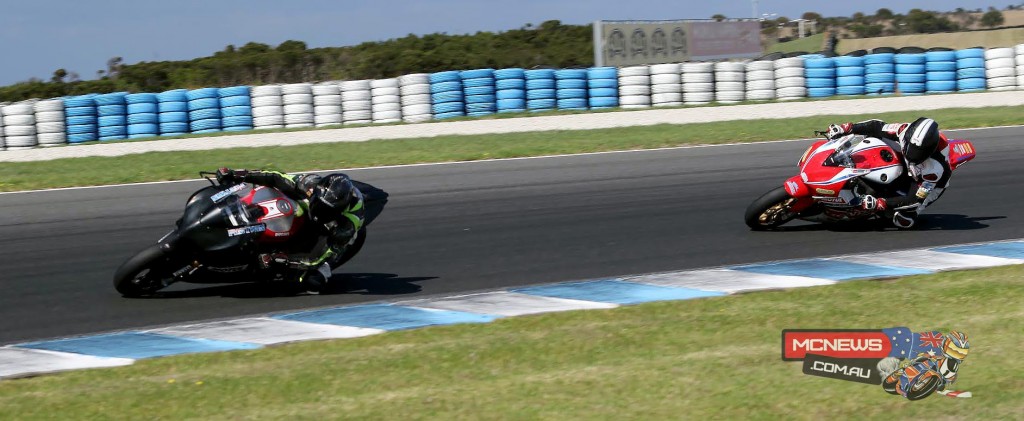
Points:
point(334, 205)
point(925, 153)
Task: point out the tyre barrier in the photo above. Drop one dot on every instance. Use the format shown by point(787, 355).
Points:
point(111, 116)
point(1019, 52)
point(879, 74)
point(910, 73)
point(760, 80)
point(415, 93)
point(19, 125)
point(603, 87)
point(820, 76)
point(571, 89)
point(850, 73)
point(666, 85)
point(790, 82)
point(698, 83)
point(51, 129)
point(203, 110)
point(510, 90)
point(1000, 69)
point(267, 107)
point(385, 101)
point(172, 112)
point(326, 104)
point(730, 82)
point(235, 108)
point(143, 116)
point(297, 105)
point(446, 97)
point(940, 71)
point(478, 92)
point(970, 70)
point(80, 118)
point(540, 90)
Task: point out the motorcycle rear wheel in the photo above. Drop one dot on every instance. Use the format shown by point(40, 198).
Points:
point(770, 210)
point(350, 251)
point(142, 274)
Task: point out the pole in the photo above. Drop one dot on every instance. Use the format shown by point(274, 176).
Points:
point(598, 45)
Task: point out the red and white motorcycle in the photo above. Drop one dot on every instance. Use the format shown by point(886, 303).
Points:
point(834, 174)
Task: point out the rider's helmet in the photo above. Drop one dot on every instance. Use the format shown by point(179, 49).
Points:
point(331, 196)
point(955, 345)
point(920, 140)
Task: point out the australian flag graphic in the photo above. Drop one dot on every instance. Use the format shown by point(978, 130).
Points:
point(907, 344)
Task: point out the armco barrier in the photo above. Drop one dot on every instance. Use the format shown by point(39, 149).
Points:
point(422, 97)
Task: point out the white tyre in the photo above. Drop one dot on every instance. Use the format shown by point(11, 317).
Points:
point(357, 115)
point(414, 79)
point(297, 88)
point(634, 71)
point(663, 98)
point(791, 82)
point(1019, 49)
point(667, 104)
point(267, 111)
point(416, 109)
point(996, 53)
point(635, 90)
point(290, 119)
point(791, 92)
point(387, 91)
point(633, 106)
point(20, 108)
point(761, 95)
point(1002, 82)
point(667, 88)
point(1003, 88)
point(789, 72)
point(698, 67)
point(387, 99)
point(760, 75)
point(730, 66)
point(661, 69)
point(326, 109)
point(730, 86)
point(320, 100)
point(698, 78)
point(999, 63)
point(19, 131)
point(267, 101)
point(730, 77)
point(294, 99)
point(386, 107)
point(789, 62)
point(269, 120)
point(49, 105)
point(20, 120)
point(698, 87)
point(387, 115)
point(760, 65)
point(356, 106)
point(1000, 72)
point(761, 85)
point(19, 141)
point(384, 83)
point(634, 100)
point(326, 88)
point(419, 89)
point(49, 116)
point(634, 80)
point(355, 85)
point(361, 95)
point(327, 119)
point(1020, 82)
point(1020, 69)
point(408, 100)
point(52, 138)
point(698, 97)
point(266, 90)
point(658, 79)
point(299, 124)
point(730, 96)
point(50, 127)
point(418, 118)
point(291, 109)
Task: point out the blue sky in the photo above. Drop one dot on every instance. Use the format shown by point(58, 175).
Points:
point(37, 37)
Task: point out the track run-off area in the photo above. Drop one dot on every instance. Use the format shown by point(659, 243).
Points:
point(461, 227)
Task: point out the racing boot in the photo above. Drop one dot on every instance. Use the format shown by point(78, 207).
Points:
point(315, 280)
point(904, 220)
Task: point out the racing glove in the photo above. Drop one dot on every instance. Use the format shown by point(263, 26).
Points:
point(227, 175)
point(836, 130)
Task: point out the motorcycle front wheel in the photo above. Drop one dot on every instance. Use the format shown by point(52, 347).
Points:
point(770, 210)
point(144, 273)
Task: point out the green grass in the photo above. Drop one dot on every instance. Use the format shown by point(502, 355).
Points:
point(155, 166)
point(811, 44)
point(715, 358)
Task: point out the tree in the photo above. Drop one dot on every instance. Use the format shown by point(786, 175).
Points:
point(883, 13)
point(58, 76)
point(924, 22)
point(992, 18)
point(810, 16)
point(718, 17)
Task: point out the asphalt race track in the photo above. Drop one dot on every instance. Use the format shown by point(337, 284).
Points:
point(472, 226)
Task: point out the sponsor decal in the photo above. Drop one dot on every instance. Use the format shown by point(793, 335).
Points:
point(227, 192)
point(825, 191)
point(831, 200)
point(792, 187)
point(911, 364)
point(963, 148)
point(282, 234)
point(234, 232)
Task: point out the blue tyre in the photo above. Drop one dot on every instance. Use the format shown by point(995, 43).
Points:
point(510, 94)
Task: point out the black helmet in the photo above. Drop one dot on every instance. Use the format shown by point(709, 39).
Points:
point(920, 140)
point(331, 196)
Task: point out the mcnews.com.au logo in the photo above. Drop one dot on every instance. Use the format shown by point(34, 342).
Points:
point(910, 364)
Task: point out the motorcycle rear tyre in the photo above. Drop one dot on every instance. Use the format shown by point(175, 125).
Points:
point(762, 204)
point(124, 277)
